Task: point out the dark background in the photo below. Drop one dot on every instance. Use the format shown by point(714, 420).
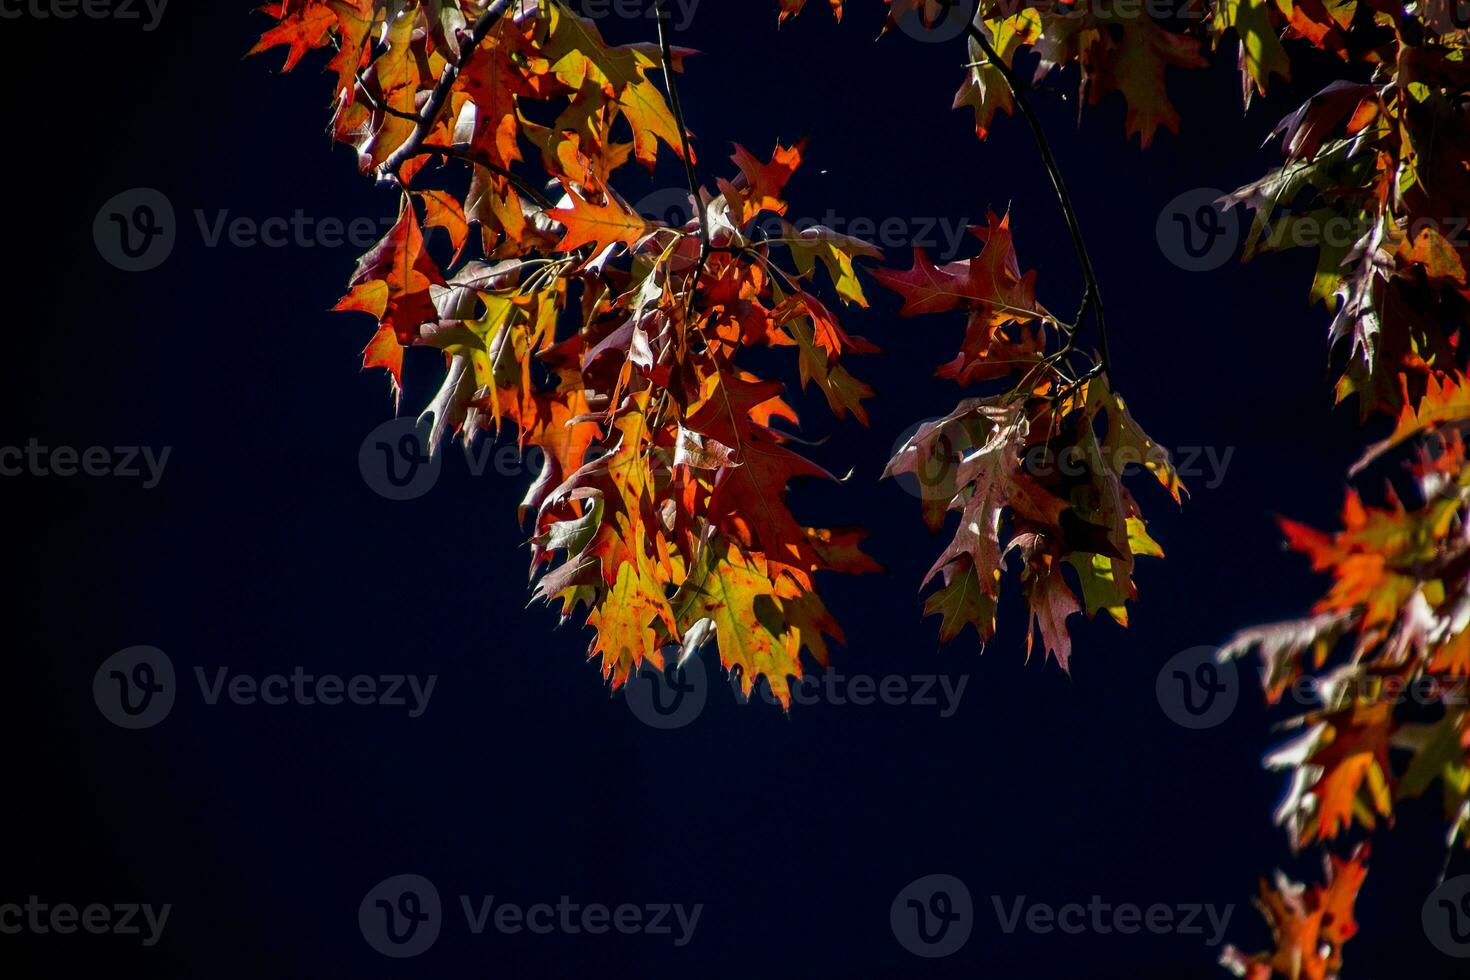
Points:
point(263, 549)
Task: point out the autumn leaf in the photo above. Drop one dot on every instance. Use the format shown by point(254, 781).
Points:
point(580, 57)
point(1261, 52)
point(304, 26)
point(1445, 401)
point(394, 282)
point(1347, 751)
point(731, 591)
point(991, 284)
point(1310, 926)
point(600, 225)
point(1135, 68)
point(661, 506)
point(442, 210)
point(760, 185)
point(1025, 469)
point(790, 8)
point(985, 89)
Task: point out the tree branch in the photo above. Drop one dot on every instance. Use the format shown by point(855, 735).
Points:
point(437, 99)
point(461, 151)
point(383, 107)
point(1093, 296)
point(666, 52)
point(661, 16)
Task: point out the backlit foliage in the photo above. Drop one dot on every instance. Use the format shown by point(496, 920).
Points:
point(610, 341)
point(613, 343)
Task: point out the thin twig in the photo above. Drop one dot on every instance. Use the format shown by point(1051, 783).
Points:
point(440, 96)
point(376, 106)
point(1092, 296)
point(661, 17)
point(461, 151)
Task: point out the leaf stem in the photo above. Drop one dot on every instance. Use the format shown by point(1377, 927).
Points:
point(382, 107)
point(1092, 296)
point(666, 52)
point(461, 151)
point(661, 18)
